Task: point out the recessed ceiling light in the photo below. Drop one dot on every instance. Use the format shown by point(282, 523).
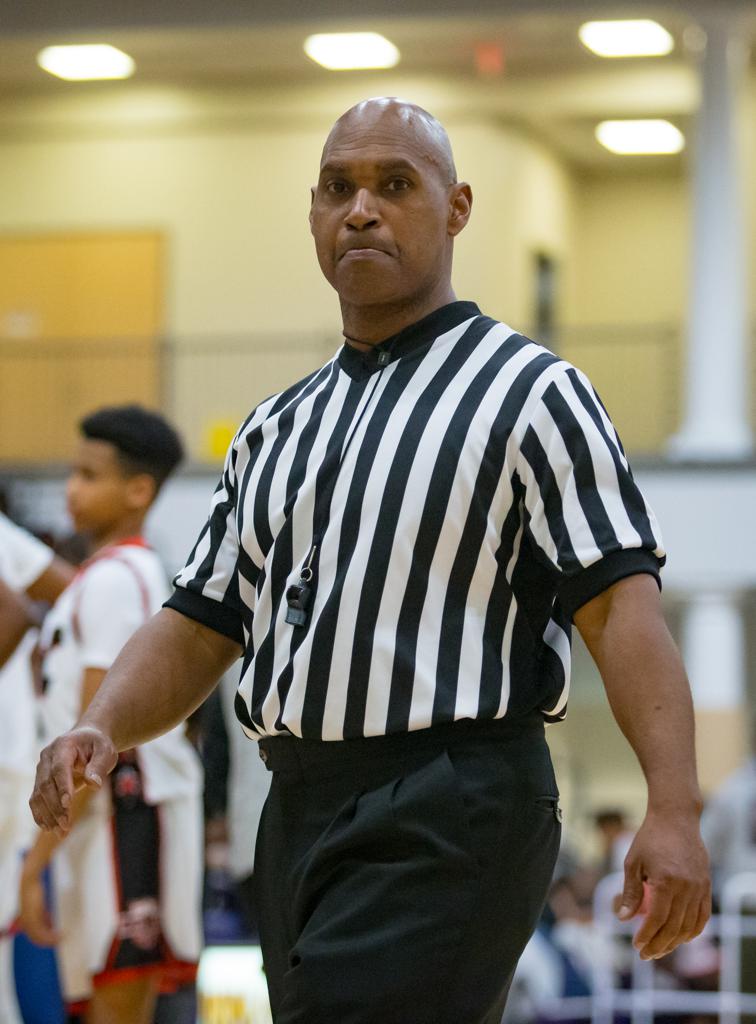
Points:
point(640, 138)
point(85, 63)
point(638, 38)
point(351, 51)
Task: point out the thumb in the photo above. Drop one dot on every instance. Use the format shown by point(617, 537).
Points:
point(101, 762)
point(632, 894)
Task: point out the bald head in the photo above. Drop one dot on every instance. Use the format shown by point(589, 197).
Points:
point(396, 120)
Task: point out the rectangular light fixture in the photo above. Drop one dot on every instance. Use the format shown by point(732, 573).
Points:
point(351, 51)
point(647, 137)
point(637, 38)
point(86, 63)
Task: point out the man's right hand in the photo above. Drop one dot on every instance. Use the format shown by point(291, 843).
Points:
point(81, 757)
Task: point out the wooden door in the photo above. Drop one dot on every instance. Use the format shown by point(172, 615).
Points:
point(80, 315)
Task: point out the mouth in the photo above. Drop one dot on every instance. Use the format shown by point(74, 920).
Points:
point(363, 253)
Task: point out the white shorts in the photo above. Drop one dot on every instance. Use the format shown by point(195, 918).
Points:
point(115, 922)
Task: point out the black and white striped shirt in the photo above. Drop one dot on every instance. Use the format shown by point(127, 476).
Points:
point(457, 492)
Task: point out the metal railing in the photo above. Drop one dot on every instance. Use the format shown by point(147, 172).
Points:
point(644, 999)
point(207, 385)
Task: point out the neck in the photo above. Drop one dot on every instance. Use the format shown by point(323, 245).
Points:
point(124, 530)
point(365, 326)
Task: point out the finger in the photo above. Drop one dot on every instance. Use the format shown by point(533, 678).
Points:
point(632, 892)
point(660, 904)
point(54, 784)
point(669, 935)
point(687, 929)
point(42, 812)
point(102, 761)
point(704, 913)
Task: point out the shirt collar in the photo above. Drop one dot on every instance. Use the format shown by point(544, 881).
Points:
point(422, 333)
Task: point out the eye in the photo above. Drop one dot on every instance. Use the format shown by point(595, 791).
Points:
point(397, 185)
point(336, 187)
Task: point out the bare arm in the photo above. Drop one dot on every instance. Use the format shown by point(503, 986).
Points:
point(162, 674)
point(15, 618)
point(645, 681)
point(53, 581)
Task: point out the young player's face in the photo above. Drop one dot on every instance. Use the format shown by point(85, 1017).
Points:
point(99, 494)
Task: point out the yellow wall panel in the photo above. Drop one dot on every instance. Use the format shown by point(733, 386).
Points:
point(79, 315)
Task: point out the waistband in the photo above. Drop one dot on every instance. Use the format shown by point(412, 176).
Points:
point(286, 753)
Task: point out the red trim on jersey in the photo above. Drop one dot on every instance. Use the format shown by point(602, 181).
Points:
point(114, 863)
point(123, 975)
point(177, 973)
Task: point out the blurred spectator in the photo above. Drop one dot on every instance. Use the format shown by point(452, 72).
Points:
point(728, 826)
point(616, 836)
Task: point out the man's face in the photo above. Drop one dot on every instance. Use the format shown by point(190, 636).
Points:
point(380, 215)
point(98, 491)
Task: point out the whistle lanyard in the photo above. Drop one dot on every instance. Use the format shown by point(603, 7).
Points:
point(299, 595)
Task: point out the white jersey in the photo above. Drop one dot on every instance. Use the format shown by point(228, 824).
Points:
point(23, 559)
point(109, 599)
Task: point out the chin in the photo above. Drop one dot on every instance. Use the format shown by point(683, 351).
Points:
point(369, 289)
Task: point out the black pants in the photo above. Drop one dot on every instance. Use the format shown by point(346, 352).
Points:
point(399, 878)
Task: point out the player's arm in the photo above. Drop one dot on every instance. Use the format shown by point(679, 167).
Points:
point(34, 919)
point(52, 582)
point(165, 671)
point(15, 618)
point(625, 632)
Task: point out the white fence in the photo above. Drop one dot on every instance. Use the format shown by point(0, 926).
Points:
point(646, 998)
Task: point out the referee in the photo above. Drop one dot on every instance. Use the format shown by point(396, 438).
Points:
point(398, 547)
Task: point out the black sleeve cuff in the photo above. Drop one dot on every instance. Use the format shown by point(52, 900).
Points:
point(208, 612)
point(578, 590)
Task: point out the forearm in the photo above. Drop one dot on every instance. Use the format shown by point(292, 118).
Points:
point(162, 674)
point(15, 619)
point(647, 690)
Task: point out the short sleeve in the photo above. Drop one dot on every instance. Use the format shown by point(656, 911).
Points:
point(585, 514)
point(110, 607)
point(23, 558)
point(207, 588)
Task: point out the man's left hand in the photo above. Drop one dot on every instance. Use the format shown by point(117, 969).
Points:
point(667, 855)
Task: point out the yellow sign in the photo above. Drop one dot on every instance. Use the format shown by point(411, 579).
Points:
point(224, 1010)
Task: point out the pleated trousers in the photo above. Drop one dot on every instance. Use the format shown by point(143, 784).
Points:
point(399, 878)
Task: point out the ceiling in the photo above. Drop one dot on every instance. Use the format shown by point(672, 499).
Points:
point(549, 83)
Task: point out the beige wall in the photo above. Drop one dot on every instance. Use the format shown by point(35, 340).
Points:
point(225, 177)
point(230, 192)
point(631, 248)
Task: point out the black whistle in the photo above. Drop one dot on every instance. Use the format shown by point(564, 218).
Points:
point(297, 599)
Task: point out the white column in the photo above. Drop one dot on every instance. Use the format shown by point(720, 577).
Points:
point(716, 422)
point(714, 651)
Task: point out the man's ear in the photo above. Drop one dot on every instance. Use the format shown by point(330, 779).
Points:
point(312, 202)
point(140, 492)
point(460, 207)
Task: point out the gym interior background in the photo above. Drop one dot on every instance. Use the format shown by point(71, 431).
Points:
point(154, 246)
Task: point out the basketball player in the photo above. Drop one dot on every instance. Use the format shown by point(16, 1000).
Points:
point(127, 878)
point(28, 570)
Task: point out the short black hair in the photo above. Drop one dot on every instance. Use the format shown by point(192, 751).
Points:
point(144, 440)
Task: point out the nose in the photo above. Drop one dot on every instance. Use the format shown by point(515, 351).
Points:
point(363, 212)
